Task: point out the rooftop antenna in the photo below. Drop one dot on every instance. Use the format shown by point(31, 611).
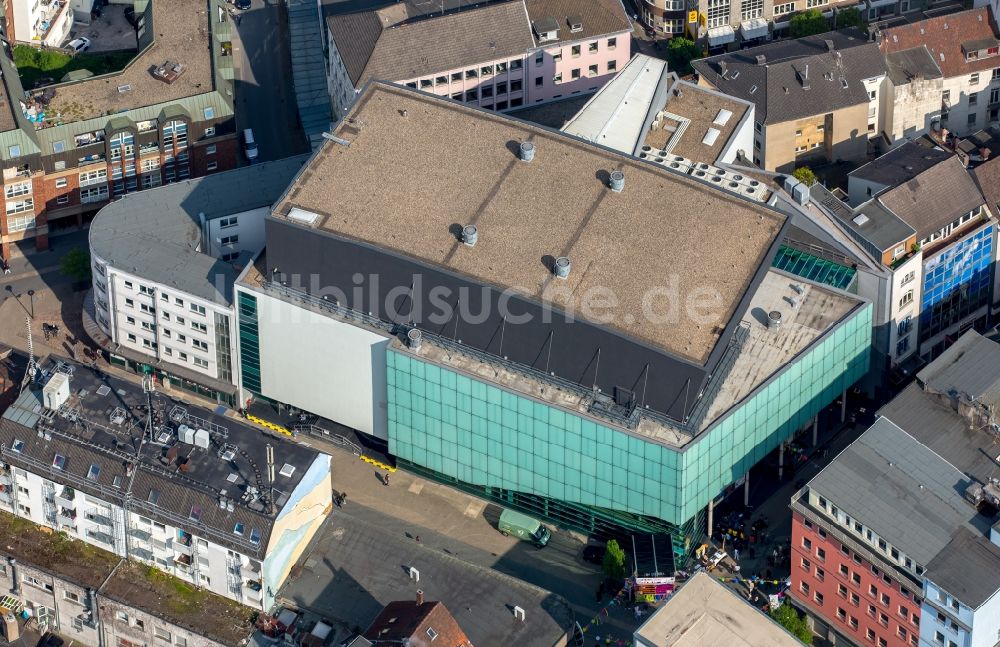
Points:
point(148, 387)
point(270, 474)
point(29, 375)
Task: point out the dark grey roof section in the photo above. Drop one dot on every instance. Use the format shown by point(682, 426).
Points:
point(355, 35)
point(155, 234)
point(977, 44)
point(901, 164)
point(798, 78)
point(970, 366)
point(911, 64)
point(548, 340)
point(872, 223)
point(902, 490)
point(309, 69)
point(187, 498)
point(968, 568)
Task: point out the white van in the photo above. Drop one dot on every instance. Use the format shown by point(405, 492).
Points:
point(249, 145)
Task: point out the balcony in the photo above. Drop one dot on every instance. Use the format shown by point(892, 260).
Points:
point(142, 553)
point(184, 560)
point(66, 517)
point(141, 535)
point(51, 26)
point(66, 499)
point(5, 497)
point(100, 517)
point(253, 590)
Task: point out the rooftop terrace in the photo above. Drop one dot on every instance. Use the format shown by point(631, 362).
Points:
point(455, 165)
point(184, 31)
point(94, 441)
point(143, 587)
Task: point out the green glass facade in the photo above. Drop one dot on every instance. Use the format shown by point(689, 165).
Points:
point(814, 268)
point(249, 342)
point(467, 430)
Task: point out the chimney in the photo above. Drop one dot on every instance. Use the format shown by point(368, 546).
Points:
point(723, 68)
point(414, 338)
point(761, 59)
point(420, 597)
point(829, 45)
point(805, 78)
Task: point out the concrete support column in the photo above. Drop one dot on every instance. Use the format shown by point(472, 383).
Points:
point(746, 489)
point(843, 406)
point(711, 507)
point(815, 429)
point(781, 460)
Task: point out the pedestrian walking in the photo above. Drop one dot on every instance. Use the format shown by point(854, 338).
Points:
point(385, 480)
point(417, 538)
point(736, 554)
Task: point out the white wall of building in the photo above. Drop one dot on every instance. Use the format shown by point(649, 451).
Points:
point(740, 140)
point(911, 108)
point(239, 232)
point(161, 322)
point(905, 307)
point(322, 365)
point(960, 91)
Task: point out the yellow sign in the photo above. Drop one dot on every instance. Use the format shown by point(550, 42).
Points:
point(692, 16)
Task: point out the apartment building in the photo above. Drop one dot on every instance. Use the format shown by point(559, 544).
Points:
point(911, 100)
point(817, 98)
point(149, 478)
point(163, 265)
point(897, 541)
point(454, 405)
point(70, 147)
point(944, 248)
point(498, 55)
point(414, 622)
point(966, 49)
point(41, 23)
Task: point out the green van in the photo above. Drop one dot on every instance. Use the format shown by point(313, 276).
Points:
point(523, 527)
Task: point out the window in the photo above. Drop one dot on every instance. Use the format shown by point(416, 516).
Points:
point(231, 221)
point(883, 619)
point(200, 362)
point(854, 623)
point(972, 119)
point(871, 610)
point(19, 189)
point(870, 635)
point(229, 240)
point(842, 590)
point(903, 302)
point(199, 344)
point(197, 309)
point(885, 599)
point(939, 637)
point(20, 206)
point(612, 43)
point(818, 597)
point(820, 574)
point(592, 70)
point(806, 543)
point(805, 564)
point(575, 73)
point(575, 51)
point(612, 65)
point(873, 590)
point(821, 554)
point(855, 600)
point(210, 131)
point(882, 643)
point(61, 183)
point(539, 58)
point(211, 166)
point(841, 615)
point(557, 78)
point(200, 327)
point(804, 587)
point(14, 151)
point(160, 632)
point(973, 80)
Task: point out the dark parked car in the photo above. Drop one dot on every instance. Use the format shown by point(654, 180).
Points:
point(594, 554)
point(242, 5)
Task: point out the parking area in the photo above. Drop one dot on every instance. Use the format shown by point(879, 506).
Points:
point(109, 33)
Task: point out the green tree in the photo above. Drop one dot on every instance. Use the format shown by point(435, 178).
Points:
point(680, 53)
point(789, 618)
point(614, 561)
point(76, 265)
point(850, 17)
point(807, 23)
point(805, 175)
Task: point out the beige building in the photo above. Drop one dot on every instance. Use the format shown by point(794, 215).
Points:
point(817, 103)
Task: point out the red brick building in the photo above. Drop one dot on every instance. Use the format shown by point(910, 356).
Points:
point(72, 146)
point(837, 582)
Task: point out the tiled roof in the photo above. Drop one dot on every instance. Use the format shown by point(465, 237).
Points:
point(373, 47)
point(944, 36)
point(406, 622)
point(835, 64)
point(987, 176)
point(934, 198)
point(911, 64)
point(598, 17)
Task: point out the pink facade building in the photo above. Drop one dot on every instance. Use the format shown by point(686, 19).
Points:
point(499, 55)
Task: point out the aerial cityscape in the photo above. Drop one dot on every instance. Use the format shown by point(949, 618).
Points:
point(548, 323)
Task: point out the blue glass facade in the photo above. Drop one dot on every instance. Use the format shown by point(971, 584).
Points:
point(956, 282)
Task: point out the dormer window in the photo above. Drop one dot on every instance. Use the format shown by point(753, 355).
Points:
point(575, 24)
point(546, 29)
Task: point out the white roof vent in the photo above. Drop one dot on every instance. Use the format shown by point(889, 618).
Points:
point(710, 137)
point(723, 117)
point(860, 219)
point(470, 234)
point(562, 267)
point(302, 216)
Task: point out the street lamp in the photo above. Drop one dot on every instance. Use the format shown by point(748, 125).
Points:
point(31, 297)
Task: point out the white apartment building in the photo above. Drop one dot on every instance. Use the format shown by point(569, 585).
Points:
point(191, 496)
point(43, 22)
point(164, 262)
point(966, 51)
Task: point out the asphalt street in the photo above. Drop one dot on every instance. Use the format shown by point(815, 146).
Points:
point(265, 99)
